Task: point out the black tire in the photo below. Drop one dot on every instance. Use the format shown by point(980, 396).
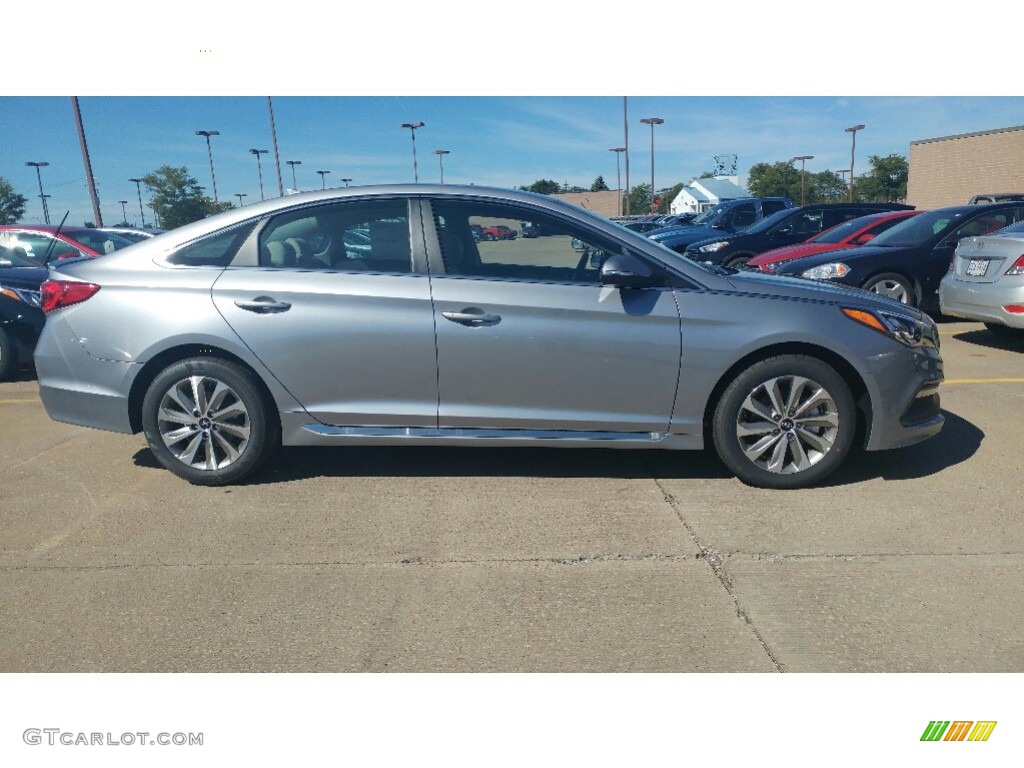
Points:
point(765, 446)
point(739, 261)
point(893, 286)
point(8, 356)
point(227, 438)
point(1002, 331)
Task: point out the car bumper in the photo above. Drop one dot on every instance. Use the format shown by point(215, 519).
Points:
point(981, 301)
point(76, 387)
point(907, 407)
point(24, 329)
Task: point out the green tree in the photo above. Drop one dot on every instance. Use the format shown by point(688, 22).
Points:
point(885, 182)
point(12, 204)
point(640, 199)
point(780, 179)
point(825, 187)
point(544, 187)
point(599, 185)
point(176, 197)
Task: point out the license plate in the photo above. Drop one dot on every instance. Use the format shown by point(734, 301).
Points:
point(977, 267)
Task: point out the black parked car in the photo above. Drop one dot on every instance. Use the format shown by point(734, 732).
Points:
point(907, 262)
point(787, 227)
point(21, 319)
point(725, 218)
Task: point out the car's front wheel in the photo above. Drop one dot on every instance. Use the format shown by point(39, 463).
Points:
point(207, 421)
point(893, 286)
point(785, 422)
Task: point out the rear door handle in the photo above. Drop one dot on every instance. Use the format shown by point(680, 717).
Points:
point(264, 305)
point(472, 316)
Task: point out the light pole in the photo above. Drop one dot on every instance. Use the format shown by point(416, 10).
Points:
point(440, 157)
point(293, 163)
point(618, 173)
point(346, 181)
point(240, 195)
point(802, 159)
point(42, 197)
point(259, 167)
point(124, 214)
point(853, 148)
point(652, 121)
point(138, 189)
point(209, 151)
point(412, 128)
point(323, 181)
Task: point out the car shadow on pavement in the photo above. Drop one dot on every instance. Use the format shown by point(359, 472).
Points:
point(957, 442)
point(991, 340)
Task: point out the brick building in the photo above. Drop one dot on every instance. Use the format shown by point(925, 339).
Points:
point(951, 169)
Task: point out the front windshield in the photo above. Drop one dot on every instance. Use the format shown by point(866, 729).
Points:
point(709, 215)
point(767, 223)
point(840, 232)
point(9, 258)
point(921, 228)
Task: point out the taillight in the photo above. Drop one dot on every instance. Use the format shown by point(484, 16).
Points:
point(57, 293)
point(1017, 268)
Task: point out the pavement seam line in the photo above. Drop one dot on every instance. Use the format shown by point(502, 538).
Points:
point(717, 564)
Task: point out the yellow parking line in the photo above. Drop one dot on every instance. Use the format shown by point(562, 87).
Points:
point(983, 381)
point(12, 402)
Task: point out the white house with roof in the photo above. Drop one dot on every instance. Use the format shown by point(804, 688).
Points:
point(701, 194)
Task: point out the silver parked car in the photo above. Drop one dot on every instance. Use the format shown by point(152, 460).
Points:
point(986, 281)
point(369, 316)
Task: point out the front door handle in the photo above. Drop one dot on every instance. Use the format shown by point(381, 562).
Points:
point(472, 316)
point(264, 305)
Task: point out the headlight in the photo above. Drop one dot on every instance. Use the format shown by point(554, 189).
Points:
point(20, 294)
point(827, 271)
point(712, 247)
point(903, 328)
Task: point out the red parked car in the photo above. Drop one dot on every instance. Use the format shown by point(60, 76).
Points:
point(850, 233)
point(35, 240)
point(498, 232)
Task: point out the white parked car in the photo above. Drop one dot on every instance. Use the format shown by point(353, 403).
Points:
point(986, 281)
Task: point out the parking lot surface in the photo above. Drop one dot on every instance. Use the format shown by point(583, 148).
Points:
point(423, 559)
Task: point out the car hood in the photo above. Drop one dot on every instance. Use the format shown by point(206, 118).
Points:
point(795, 252)
point(847, 254)
point(23, 277)
point(799, 288)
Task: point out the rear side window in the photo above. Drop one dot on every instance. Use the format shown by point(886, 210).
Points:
point(215, 251)
point(768, 207)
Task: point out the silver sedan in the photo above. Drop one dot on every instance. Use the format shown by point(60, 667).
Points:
point(368, 316)
point(986, 281)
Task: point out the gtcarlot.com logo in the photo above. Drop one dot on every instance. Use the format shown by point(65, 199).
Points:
point(958, 730)
point(56, 736)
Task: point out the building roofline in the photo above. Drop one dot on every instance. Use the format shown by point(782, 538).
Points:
point(969, 135)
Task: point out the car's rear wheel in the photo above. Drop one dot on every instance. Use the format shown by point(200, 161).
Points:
point(785, 422)
point(8, 359)
point(893, 286)
point(207, 421)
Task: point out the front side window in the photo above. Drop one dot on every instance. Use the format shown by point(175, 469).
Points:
point(357, 235)
point(480, 239)
point(769, 207)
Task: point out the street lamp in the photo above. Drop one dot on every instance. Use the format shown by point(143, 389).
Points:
point(240, 195)
point(853, 148)
point(42, 197)
point(802, 159)
point(652, 121)
point(346, 181)
point(323, 182)
point(440, 157)
point(259, 167)
point(618, 173)
point(139, 190)
point(293, 163)
point(124, 214)
point(412, 128)
point(209, 151)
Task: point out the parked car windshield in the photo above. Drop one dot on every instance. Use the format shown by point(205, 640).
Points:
point(839, 232)
point(709, 215)
point(98, 240)
point(769, 222)
point(921, 228)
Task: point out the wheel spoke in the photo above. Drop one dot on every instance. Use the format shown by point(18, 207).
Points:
point(176, 436)
point(754, 428)
point(820, 443)
point(229, 450)
point(189, 454)
point(199, 393)
point(778, 460)
point(758, 449)
point(238, 430)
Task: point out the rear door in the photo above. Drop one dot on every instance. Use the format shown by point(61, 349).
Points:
point(337, 309)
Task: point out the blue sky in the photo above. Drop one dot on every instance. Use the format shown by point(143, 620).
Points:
point(540, 99)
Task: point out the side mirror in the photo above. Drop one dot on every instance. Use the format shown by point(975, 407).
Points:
point(625, 271)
